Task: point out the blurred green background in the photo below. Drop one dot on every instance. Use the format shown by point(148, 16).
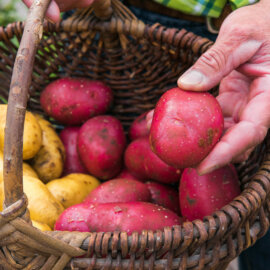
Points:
point(12, 10)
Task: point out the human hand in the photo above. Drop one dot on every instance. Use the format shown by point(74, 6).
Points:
point(240, 61)
point(56, 6)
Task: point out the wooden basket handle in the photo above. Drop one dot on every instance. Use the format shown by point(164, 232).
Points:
point(18, 94)
point(103, 9)
point(17, 101)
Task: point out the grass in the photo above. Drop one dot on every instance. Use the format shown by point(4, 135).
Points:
point(8, 11)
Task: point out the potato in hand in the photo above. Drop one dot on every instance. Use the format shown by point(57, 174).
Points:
point(185, 127)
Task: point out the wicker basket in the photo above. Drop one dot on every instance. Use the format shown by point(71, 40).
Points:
point(139, 62)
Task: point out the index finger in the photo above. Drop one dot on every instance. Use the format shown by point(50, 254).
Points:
point(249, 132)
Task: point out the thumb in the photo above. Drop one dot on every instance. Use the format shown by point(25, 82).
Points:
point(216, 63)
point(53, 12)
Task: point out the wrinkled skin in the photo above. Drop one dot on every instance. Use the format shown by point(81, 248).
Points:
point(240, 61)
point(53, 13)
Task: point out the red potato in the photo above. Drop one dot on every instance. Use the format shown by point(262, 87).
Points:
point(119, 190)
point(145, 164)
point(72, 163)
point(101, 145)
point(185, 127)
point(135, 159)
point(200, 196)
point(164, 195)
point(125, 174)
point(74, 218)
point(109, 217)
point(139, 127)
point(72, 101)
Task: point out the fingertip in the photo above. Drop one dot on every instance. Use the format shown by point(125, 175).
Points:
point(53, 13)
point(216, 159)
point(194, 80)
point(191, 80)
point(206, 169)
point(28, 3)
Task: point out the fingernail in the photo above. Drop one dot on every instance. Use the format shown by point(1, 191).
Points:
point(191, 77)
point(203, 171)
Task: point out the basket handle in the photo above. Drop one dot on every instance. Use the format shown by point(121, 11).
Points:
point(103, 9)
point(17, 101)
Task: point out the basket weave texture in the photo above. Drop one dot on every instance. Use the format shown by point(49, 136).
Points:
point(139, 62)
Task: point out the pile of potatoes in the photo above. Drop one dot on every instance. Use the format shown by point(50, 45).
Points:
point(92, 177)
point(44, 156)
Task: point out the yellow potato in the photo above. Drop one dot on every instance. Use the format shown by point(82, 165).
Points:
point(49, 161)
point(42, 205)
point(41, 226)
point(29, 171)
point(73, 188)
point(32, 137)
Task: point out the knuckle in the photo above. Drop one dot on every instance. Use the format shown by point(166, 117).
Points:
point(236, 26)
point(262, 131)
point(237, 32)
point(214, 58)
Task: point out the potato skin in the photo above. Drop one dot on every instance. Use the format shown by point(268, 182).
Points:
point(119, 190)
point(200, 196)
point(74, 218)
point(72, 101)
point(135, 158)
point(27, 171)
point(49, 161)
point(145, 164)
point(125, 174)
point(138, 127)
point(164, 195)
point(32, 136)
point(41, 226)
point(101, 144)
point(43, 207)
point(73, 188)
point(185, 127)
point(109, 217)
point(73, 164)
